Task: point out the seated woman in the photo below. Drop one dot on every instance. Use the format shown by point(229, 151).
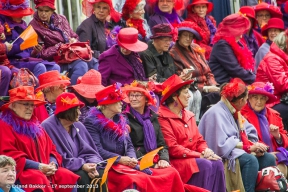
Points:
point(73, 141)
point(234, 138)
point(121, 63)
point(197, 12)
point(229, 57)
point(110, 132)
point(53, 30)
point(23, 139)
point(267, 121)
point(188, 151)
point(96, 28)
point(85, 90)
point(188, 55)
point(8, 174)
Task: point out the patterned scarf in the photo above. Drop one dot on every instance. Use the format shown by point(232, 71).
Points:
point(54, 28)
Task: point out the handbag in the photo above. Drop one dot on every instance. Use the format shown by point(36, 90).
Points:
point(271, 179)
point(67, 53)
point(24, 77)
point(95, 184)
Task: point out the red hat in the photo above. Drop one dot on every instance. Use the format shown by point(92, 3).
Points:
point(147, 90)
point(197, 2)
point(67, 101)
point(89, 84)
point(52, 78)
point(110, 94)
point(15, 8)
point(233, 89)
point(23, 93)
point(249, 12)
point(274, 11)
point(163, 30)
point(272, 23)
point(260, 88)
point(191, 27)
point(128, 39)
point(87, 9)
point(47, 3)
point(129, 7)
point(171, 85)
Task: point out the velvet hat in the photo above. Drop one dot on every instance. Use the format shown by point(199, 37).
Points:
point(197, 2)
point(191, 27)
point(274, 11)
point(171, 85)
point(89, 84)
point(15, 8)
point(248, 11)
point(163, 30)
point(46, 3)
point(272, 23)
point(260, 88)
point(110, 94)
point(128, 39)
point(67, 101)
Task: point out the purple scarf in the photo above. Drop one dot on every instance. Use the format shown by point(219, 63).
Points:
point(150, 142)
point(211, 28)
point(54, 28)
point(251, 42)
point(172, 18)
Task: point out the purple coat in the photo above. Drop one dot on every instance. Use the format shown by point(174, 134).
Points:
point(52, 38)
point(76, 149)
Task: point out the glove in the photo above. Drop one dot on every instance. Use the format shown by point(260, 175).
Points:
point(147, 170)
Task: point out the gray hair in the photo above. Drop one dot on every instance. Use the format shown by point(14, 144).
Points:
point(5, 160)
point(280, 41)
point(140, 6)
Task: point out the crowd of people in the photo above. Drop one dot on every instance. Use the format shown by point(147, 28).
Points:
point(213, 95)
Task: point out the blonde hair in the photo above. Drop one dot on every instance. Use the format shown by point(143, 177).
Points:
point(53, 88)
point(281, 41)
point(5, 160)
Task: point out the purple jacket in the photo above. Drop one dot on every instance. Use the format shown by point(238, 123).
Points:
point(76, 149)
point(52, 38)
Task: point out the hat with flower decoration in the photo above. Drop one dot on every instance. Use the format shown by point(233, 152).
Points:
point(260, 88)
point(233, 89)
point(67, 101)
point(15, 8)
point(109, 95)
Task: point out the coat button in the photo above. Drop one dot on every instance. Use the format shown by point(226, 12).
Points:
point(185, 125)
point(190, 139)
point(184, 155)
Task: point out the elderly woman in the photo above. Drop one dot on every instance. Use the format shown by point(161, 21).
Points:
point(133, 13)
point(188, 55)
point(188, 151)
point(273, 68)
point(72, 140)
point(97, 26)
point(54, 30)
point(23, 138)
point(8, 174)
point(121, 63)
point(267, 122)
point(229, 57)
point(85, 90)
point(270, 30)
point(232, 137)
point(197, 12)
point(110, 132)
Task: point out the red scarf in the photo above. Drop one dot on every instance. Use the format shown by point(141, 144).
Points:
point(137, 24)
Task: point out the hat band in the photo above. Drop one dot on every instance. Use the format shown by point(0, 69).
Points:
point(8, 6)
point(128, 39)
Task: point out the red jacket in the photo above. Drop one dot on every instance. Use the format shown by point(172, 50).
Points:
point(273, 117)
point(183, 139)
point(274, 68)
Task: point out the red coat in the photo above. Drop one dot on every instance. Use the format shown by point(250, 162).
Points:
point(274, 68)
point(273, 117)
point(183, 139)
point(22, 147)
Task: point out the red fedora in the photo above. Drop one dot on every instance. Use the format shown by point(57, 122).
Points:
point(23, 93)
point(110, 94)
point(67, 101)
point(249, 12)
point(197, 2)
point(272, 23)
point(274, 11)
point(260, 88)
point(89, 84)
point(52, 78)
point(46, 3)
point(15, 8)
point(171, 85)
point(128, 39)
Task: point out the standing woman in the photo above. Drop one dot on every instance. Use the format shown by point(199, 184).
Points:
point(197, 12)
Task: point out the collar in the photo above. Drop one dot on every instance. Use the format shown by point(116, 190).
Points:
point(228, 105)
point(164, 111)
point(152, 48)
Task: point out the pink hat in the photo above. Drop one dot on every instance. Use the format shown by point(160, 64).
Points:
point(260, 88)
point(128, 39)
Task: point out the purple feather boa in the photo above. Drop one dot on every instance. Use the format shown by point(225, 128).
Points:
point(114, 130)
point(172, 18)
point(7, 6)
point(31, 128)
point(211, 28)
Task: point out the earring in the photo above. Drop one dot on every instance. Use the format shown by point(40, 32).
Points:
point(175, 103)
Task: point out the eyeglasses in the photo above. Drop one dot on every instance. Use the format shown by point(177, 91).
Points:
point(167, 1)
point(266, 16)
point(136, 96)
point(28, 105)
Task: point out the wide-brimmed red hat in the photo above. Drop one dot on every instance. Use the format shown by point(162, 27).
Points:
point(128, 39)
point(87, 9)
point(15, 8)
point(197, 2)
point(52, 78)
point(191, 27)
point(67, 101)
point(249, 12)
point(272, 23)
point(23, 93)
point(163, 30)
point(260, 88)
point(171, 85)
point(110, 94)
point(89, 84)
point(273, 10)
point(147, 89)
point(46, 3)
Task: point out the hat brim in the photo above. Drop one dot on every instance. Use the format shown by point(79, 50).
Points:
point(138, 46)
point(175, 88)
point(266, 27)
point(271, 11)
point(128, 89)
point(210, 6)
point(54, 83)
point(195, 33)
point(17, 13)
point(36, 103)
point(271, 98)
point(81, 104)
point(158, 36)
point(88, 91)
